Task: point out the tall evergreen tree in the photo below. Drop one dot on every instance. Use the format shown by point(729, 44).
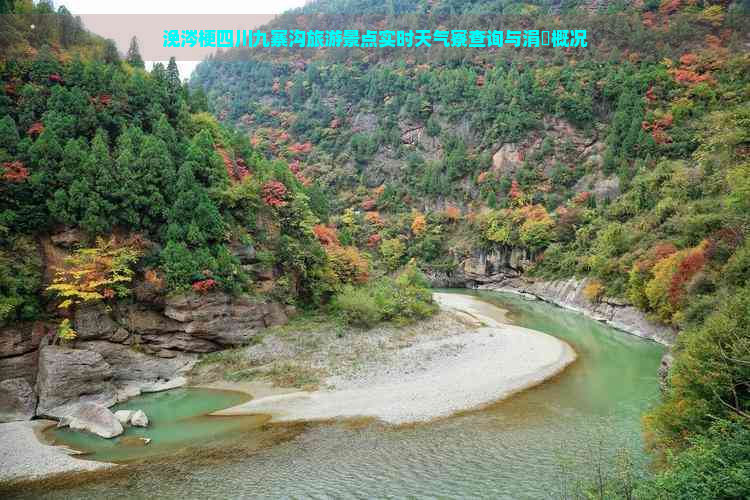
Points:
point(155, 181)
point(173, 77)
point(8, 134)
point(133, 56)
point(193, 218)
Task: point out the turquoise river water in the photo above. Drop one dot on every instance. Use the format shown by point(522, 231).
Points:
point(517, 448)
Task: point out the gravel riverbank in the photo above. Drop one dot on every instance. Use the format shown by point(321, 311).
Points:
point(24, 456)
point(482, 360)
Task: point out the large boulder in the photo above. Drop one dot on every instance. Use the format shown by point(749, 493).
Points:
point(17, 400)
point(124, 416)
point(68, 375)
point(139, 419)
point(94, 418)
point(136, 418)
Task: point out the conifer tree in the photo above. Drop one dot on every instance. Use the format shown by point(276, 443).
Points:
point(155, 181)
point(126, 190)
point(193, 218)
point(133, 56)
point(208, 168)
point(98, 170)
point(173, 77)
point(8, 134)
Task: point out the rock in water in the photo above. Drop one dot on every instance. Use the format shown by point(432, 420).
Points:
point(139, 419)
point(93, 418)
point(124, 416)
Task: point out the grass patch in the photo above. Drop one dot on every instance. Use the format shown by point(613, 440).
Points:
point(279, 374)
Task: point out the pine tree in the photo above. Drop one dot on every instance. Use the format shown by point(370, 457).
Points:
point(164, 131)
point(126, 190)
point(173, 77)
point(133, 57)
point(155, 181)
point(198, 101)
point(74, 155)
point(193, 218)
point(97, 217)
point(209, 169)
point(8, 134)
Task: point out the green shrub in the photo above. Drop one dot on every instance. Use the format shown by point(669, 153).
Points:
point(358, 306)
point(716, 466)
point(405, 299)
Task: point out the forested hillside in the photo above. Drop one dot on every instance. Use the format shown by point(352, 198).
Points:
point(126, 169)
point(626, 162)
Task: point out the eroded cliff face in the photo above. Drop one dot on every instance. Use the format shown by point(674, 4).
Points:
point(503, 270)
point(144, 344)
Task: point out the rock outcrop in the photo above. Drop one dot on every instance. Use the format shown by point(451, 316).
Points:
point(225, 320)
point(17, 400)
point(67, 376)
point(569, 294)
point(93, 418)
point(123, 350)
point(503, 269)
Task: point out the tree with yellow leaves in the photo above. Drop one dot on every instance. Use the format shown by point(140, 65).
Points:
point(94, 274)
point(419, 225)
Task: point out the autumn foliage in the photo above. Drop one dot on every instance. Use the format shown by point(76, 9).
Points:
point(97, 273)
point(419, 224)
point(348, 264)
point(14, 171)
point(204, 286)
point(274, 194)
point(35, 129)
point(374, 240)
point(374, 218)
point(326, 235)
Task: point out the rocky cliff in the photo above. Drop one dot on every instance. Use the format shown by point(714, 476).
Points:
point(142, 344)
point(503, 269)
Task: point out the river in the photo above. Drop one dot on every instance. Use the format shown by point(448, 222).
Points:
point(517, 448)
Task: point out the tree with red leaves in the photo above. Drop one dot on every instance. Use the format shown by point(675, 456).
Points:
point(14, 171)
point(516, 195)
point(36, 129)
point(689, 266)
point(204, 286)
point(274, 194)
point(325, 235)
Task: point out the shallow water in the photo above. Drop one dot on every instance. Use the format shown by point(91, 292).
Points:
point(514, 449)
point(177, 419)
